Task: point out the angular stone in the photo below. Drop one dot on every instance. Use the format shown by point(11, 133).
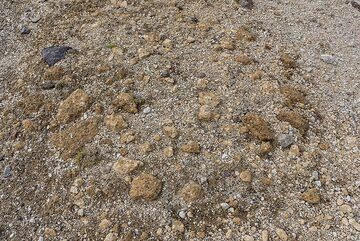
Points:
point(311, 196)
point(125, 166)
point(191, 192)
point(145, 186)
point(170, 131)
point(115, 122)
point(285, 140)
point(54, 54)
point(244, 33)
point(73, 106)
point(125, 101)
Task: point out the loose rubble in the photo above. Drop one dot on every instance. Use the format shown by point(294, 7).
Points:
point(179, 120)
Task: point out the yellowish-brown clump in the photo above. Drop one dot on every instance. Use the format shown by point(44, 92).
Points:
point(191, 147)
point(311, 196)
point(258, 127)
point(145, 186)
point(191, 192)
point(126, 102)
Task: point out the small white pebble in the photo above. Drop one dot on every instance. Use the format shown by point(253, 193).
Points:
point(182, 214)
point(224, 206)
point(147, 110)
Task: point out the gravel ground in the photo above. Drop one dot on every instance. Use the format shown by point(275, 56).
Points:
point(179, 120)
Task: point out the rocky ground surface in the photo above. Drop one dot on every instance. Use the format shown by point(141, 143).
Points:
point(179, 120)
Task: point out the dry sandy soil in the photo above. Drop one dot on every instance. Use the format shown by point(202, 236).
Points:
point(180, 120)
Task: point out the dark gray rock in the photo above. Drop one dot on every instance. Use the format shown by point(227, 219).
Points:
point(2, 157)
point(164, 73)
point(54, 54)
point(356, 4)
point(48, 85)
point(7, 172)
point(249, 4)
point(24, 30)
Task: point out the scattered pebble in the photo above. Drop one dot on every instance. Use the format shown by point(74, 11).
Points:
point(145, 186)
point(111, 237)
point(285, 140)
point(207, 113)
point(243, 59)
point(125, 101)
point(104, 224)
point(281, 234)
point(294, 151)
point(311, 196)
point(48, 85)
point(54, 54)
point(191, 192)
point(54, 73)
point(244, 34)
point(25, 30)
point(73, 139)
point(170, 131)
point(248, 238)
point(169, 151)
point(49, 232)
point(288, 61)
point(178, 226)
point(147, 110)
point(292, 94)
point(182, 214)
point(246, 176)
point(115, 122)
point(264, 235)
point(224, 206)
point(345, 208)
point(355, 4)
point(191, 147)
point(125, 166)
point(258, 127)
point(7, 172)
point(265, 148)
point(209, 98)
point(329, 59)
point(146, 147)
